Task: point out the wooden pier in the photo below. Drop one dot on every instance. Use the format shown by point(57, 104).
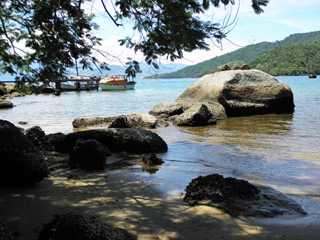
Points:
point(78, 83)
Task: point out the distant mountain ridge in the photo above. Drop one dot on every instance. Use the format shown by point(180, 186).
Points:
point(245, 54)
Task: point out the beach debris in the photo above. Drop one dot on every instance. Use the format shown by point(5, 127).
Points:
point(151, 159)
point(88, 154)
point(78, 227)
point(238, 197)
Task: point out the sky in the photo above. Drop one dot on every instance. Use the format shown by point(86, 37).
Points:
point(280, 19)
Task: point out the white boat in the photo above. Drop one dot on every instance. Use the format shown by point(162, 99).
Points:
point(76, 83)
point(116, 82)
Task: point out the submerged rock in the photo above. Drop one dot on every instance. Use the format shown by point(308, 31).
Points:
point(88, 154)
point(151, 159)
point(242, 92)
point(169, 108)
point(239, 197)
point(77, 227)
point(20, 161)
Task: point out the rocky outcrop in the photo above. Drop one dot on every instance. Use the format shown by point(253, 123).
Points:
point(242, 92)
point(5, 104)
point(239, 197)
point(134, 120)
point(116, 139)
point(77, 227)
point(20, 161)
point(197, 115)
point(88, 154)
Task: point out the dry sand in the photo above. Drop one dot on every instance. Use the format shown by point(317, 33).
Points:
point(117, 197)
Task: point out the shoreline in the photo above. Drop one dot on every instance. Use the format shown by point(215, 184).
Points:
point(121, 198)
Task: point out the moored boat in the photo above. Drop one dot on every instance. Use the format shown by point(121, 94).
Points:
point(116, 82)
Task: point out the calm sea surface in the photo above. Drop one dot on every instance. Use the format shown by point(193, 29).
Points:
point(282, 151)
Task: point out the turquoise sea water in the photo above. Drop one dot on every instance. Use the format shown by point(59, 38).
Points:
point(282, 151)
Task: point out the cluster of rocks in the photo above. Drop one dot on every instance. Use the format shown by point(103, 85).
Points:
point(239, 197)
point(235, 67)
point(5, 232)
point(227, 94)
point(78, 227)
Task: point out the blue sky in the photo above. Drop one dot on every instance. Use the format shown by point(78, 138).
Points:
point(280, 19)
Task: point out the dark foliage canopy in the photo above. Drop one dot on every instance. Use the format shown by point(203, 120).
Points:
point(57, 34)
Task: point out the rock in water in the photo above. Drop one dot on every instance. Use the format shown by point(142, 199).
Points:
point(242, 93)
point(77, 227)
point(5, 104)
point(116, 139)
point(151, 159)
point(239, 197)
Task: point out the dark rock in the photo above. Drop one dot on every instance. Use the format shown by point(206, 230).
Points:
point(77, 227)
point(225, 68)
point(197, 115)
point(56, 142)
point(134, 120)
point(238, 197)
point(22, 123)
point(20, 162)
point(5, 233)
point(88, 154)
point(117, 140)
point(151, 159)
point(20, 168)
point(37, 136)
point(85, 122)
point(218, 189)
point(242, 92)
point(245, 67)
point(5, 104)
point(313, 76)
point(12, 138)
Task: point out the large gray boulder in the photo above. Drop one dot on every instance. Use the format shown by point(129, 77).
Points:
point(242, 92)
point(116, 140)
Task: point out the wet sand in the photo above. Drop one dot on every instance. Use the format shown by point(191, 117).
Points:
point(120, 198)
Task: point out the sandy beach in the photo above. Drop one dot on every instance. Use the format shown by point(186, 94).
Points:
point(120, 198)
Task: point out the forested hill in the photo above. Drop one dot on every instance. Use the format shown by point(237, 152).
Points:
point(294, 59)
point(247, 55)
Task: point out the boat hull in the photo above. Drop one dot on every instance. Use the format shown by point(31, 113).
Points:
point(112, 87)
